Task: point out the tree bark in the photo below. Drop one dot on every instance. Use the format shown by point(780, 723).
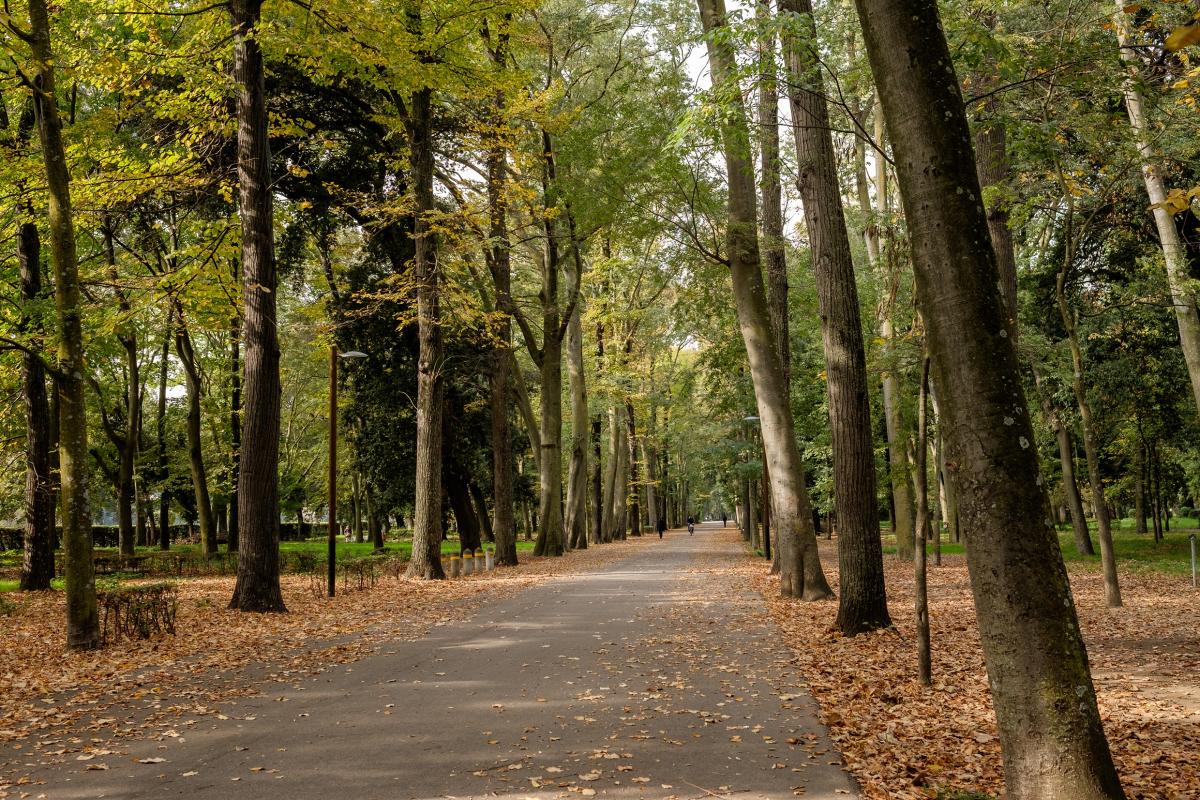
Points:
point(426, 559)
point(83, 629)
point(481, 511)
point(257, 588)
point(920, 596)
point(164, 499)
point(1139, 489)
point(596, 534)
point(1051, 736)
point(1183, 293)
point(469, 534)
point(862, 604)
point(801, 574)
point(635, 481)
point(37, 564)
point(575, 523)
point(235, 420)
point(773, 252)
point(191, 371)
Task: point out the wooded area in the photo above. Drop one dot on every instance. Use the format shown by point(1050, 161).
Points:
point(919, 278)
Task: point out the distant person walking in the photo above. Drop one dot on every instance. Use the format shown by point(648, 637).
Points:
point(724, 520)
point(691, 525)
point(661, 525)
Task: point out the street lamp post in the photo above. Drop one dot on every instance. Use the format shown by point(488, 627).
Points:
point(334, 355)
point(766, 496)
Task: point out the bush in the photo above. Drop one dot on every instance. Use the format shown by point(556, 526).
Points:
point(137, 612)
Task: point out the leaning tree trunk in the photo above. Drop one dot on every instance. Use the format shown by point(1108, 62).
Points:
point(37, 564)
point(83, 624)
point(427, 532)
point(862, 602)
point(257, 587)
point(1051, 737)
point(1183, 292)
point(801, 574)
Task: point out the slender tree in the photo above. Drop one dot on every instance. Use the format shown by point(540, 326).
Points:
point(1051, 736)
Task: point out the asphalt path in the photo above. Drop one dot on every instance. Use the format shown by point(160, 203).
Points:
point(654, 677)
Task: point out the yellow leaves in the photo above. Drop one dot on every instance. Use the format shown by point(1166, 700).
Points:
point(1183, 37)
point(1179, 200)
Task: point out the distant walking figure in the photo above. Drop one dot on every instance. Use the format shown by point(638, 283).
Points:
point(691, 525)
point(661, 525)
point(724, 520)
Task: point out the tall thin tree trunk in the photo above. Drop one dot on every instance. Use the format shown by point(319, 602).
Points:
point(650, 457)
point(635, 481)
point(164, 499)
point(773, 253)
point(83, 624)
point(1051, 736)
point(801, 574)
point(920, 596)
point(257, 588)
point(575, 523)
point(1139, 489)
point(235, 419)
point(1066, 457)
point(1183, 293)
point(596, 534)
point(37, 564)
point(426, 559)
point(191, 371)
point(862, 602)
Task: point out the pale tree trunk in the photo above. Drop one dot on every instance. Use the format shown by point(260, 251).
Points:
point(426, 559)
point(191, 371)
point(257, 587)
point(650, 456)
point(862, 602)
point(1051, 736)
point(635, 483)
point(575, 523)
point(897, 438)
point(801, 574)
point(1183, 294)
point(83, 629)
point(1091, 448)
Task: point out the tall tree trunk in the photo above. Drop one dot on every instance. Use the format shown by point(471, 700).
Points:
point(191, 371)
point(921, 598)
point(83, 628)
point(1066, 457)
point(235, 420)
point(356, 503)
point(1112, 588)
point(374, 528)
point(481, 511)
point(772, 191)
point(991, 157)
point(1139, 489)
point(426, 559)
point(257, 587)
point(801, 574)
point(862, 602)
point(505, 524)
point(469, 533)
point(575, 523)
point(650, 457)
point(596, 533)
point(1051, 736)
point(125, 441)
point(1183, 293)
point(37, 564)
point(164, 499)
point(635, 481)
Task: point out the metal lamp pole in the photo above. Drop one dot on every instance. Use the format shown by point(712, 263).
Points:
point(334, 355)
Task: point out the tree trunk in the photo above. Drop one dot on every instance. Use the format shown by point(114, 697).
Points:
point(650, 457)
point(920, 596)
point(635, 482)
point(83, 628)
point(37, 564)
point(862, 602)
point(164, 499)
point(1183, 293)
point(596, 534)
point(1066, 457)
point(772, 198)
point(469, 537)
point(235, 420)
point(801, 574)
point(1139, 489)
point(373, 527)
point(426, 559)
point(481, 511)
point(1051, 736)
point(257, 587)
point(191, 371)
point(356, 503)
point(575, 523)
point(1112, 588)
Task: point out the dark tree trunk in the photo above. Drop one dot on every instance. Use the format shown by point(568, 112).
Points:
point(464, 513)
point(427, 534)
point(164, 499)
point(481, 511)
point(257, 587)
point(1051, 736)
point(83, 623)
point(1139, 489)
point(37, 565)
point(801, 574)
point(235, 421)
point(596, 532)
point(772, 198)
point(921, 597)
point(862, 602)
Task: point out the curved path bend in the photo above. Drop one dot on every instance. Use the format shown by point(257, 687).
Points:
point(655, 677)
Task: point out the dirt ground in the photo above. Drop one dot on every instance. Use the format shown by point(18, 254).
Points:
point(903, 741)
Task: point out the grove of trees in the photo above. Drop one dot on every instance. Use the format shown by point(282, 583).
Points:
point(610, 264)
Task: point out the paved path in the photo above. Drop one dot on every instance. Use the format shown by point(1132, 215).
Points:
point(653, 678)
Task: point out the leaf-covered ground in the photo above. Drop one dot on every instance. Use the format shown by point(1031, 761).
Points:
point(902, 741)
point(55, 704)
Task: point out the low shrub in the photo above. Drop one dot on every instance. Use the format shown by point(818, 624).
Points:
point(137, 612)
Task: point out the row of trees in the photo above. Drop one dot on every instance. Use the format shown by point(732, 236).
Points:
point(479, 195)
